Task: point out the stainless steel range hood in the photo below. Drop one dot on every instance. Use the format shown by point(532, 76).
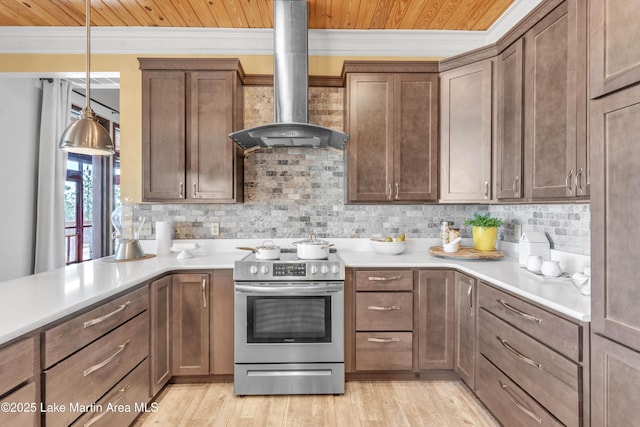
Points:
point(290, 88)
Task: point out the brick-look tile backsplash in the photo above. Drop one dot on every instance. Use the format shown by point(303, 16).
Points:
point(291, 192)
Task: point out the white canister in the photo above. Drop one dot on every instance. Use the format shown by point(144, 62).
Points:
point(534, 262)
point(163, 237)
point(550, 268)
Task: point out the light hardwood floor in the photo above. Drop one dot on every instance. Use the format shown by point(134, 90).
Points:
point(393, 403)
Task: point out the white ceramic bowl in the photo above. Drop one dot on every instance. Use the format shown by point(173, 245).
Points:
point(388, 248)
point(450, 247)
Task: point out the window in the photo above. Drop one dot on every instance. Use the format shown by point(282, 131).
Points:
point(91, 192)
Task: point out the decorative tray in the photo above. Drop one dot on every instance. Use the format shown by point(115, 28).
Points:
point(465, 253)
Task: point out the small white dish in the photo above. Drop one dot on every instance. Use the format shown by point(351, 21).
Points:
point(184, 249)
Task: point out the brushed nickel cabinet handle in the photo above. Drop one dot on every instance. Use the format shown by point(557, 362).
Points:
point(181, 189)
point(194, 190)
point(384, 279)
point(524, 358)
point(486, 189)
point(390, 196)
point(579, 180)
point(470, 298)
point(568, 182)
point(106, 361)
point(519, 404)
point(95, 419)
point(383, 308)
point(101, 319)
point(383, 340)
point(515, 186)
point(518, 312)
point(204, 291)
point(397, 190)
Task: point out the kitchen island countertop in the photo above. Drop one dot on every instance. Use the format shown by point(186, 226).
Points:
point(31, 302)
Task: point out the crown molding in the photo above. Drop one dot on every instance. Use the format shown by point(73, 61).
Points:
point(231, 41)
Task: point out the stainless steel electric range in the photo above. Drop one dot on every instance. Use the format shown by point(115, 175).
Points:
point(289, 325)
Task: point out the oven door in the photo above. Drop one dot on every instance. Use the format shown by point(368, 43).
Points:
point(299, 322)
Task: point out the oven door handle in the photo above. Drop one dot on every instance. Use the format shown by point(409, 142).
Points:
point(288, 290)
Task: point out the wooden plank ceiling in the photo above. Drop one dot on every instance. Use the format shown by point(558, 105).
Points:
point(323, 14)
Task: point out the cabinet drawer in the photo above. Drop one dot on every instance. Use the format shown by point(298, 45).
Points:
point(547, 376)
point(88, 374)
point(384, 280)
point(131, 395)
point(63, 340)
point(508, 402)
point(384, 311)
point(558, 333)
point(17, 364)
point(23, 409)
point(384, 351)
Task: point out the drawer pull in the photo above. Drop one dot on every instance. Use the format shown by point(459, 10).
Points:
point(95, 419)
point(384, 340)
point(383, 308)
point(524, 358)
point(106, 316)
point(204, 290)
point(470, 298)
point(106, 361)
point(384, 279)
point(519, 404)
point(518, 312)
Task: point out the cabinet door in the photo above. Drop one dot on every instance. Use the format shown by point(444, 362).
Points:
point(369, 122)
point(614, 45)
point(222, 323)
point(552, 113)
point(212, 154)
point(465, 336)
point(615, 236)
point(435, 319)
point(415, 154)
point(163, 135)
point(465, 134)
point(190, 300)
point(509, 141)
point(615, 384)
point(160, 311)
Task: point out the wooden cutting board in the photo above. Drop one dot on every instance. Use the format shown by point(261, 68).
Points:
point(465, 253)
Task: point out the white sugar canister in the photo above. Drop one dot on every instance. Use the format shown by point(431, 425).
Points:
point(533, 243)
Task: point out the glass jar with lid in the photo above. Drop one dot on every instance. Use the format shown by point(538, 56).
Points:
point(445, 232)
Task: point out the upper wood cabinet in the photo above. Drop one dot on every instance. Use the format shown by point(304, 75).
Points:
point(465, 133)
point(614, 45)
point(615, 201)
point(392, 119)
point(509, 123)
point(556, 158)
point(189, 107)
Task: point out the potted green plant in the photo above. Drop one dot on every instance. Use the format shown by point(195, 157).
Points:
point(485, 231)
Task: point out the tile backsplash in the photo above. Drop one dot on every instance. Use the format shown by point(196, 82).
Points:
point(292, 192)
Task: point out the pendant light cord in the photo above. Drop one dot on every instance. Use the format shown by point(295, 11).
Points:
point(88, 90)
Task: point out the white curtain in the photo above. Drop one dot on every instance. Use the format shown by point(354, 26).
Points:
point(52, 165)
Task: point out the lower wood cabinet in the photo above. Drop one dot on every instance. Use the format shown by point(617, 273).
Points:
point(19, 367)
point(23, 405)
point(190, 317)
point(464, 359)
point(435, 319)
point(615, 384)
point(221, 338)
point(161, 329)
point(541, 353)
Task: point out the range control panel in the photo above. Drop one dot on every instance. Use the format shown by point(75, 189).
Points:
point(289, 269)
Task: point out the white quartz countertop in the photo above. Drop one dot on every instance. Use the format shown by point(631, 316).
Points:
point(34, 301)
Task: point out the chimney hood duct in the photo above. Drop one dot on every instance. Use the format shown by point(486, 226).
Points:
point(290, 88)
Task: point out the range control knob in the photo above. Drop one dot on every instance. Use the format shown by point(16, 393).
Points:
point(335, 269)
point(314, 269)
point(264, 269)
point(324, 269)
point(253, 269)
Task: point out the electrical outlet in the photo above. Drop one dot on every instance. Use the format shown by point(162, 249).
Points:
point(146, 230)
point(215, 229)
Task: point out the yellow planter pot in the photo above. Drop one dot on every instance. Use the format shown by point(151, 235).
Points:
point(484, 238)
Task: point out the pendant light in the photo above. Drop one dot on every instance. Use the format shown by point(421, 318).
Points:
point(86, 135)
